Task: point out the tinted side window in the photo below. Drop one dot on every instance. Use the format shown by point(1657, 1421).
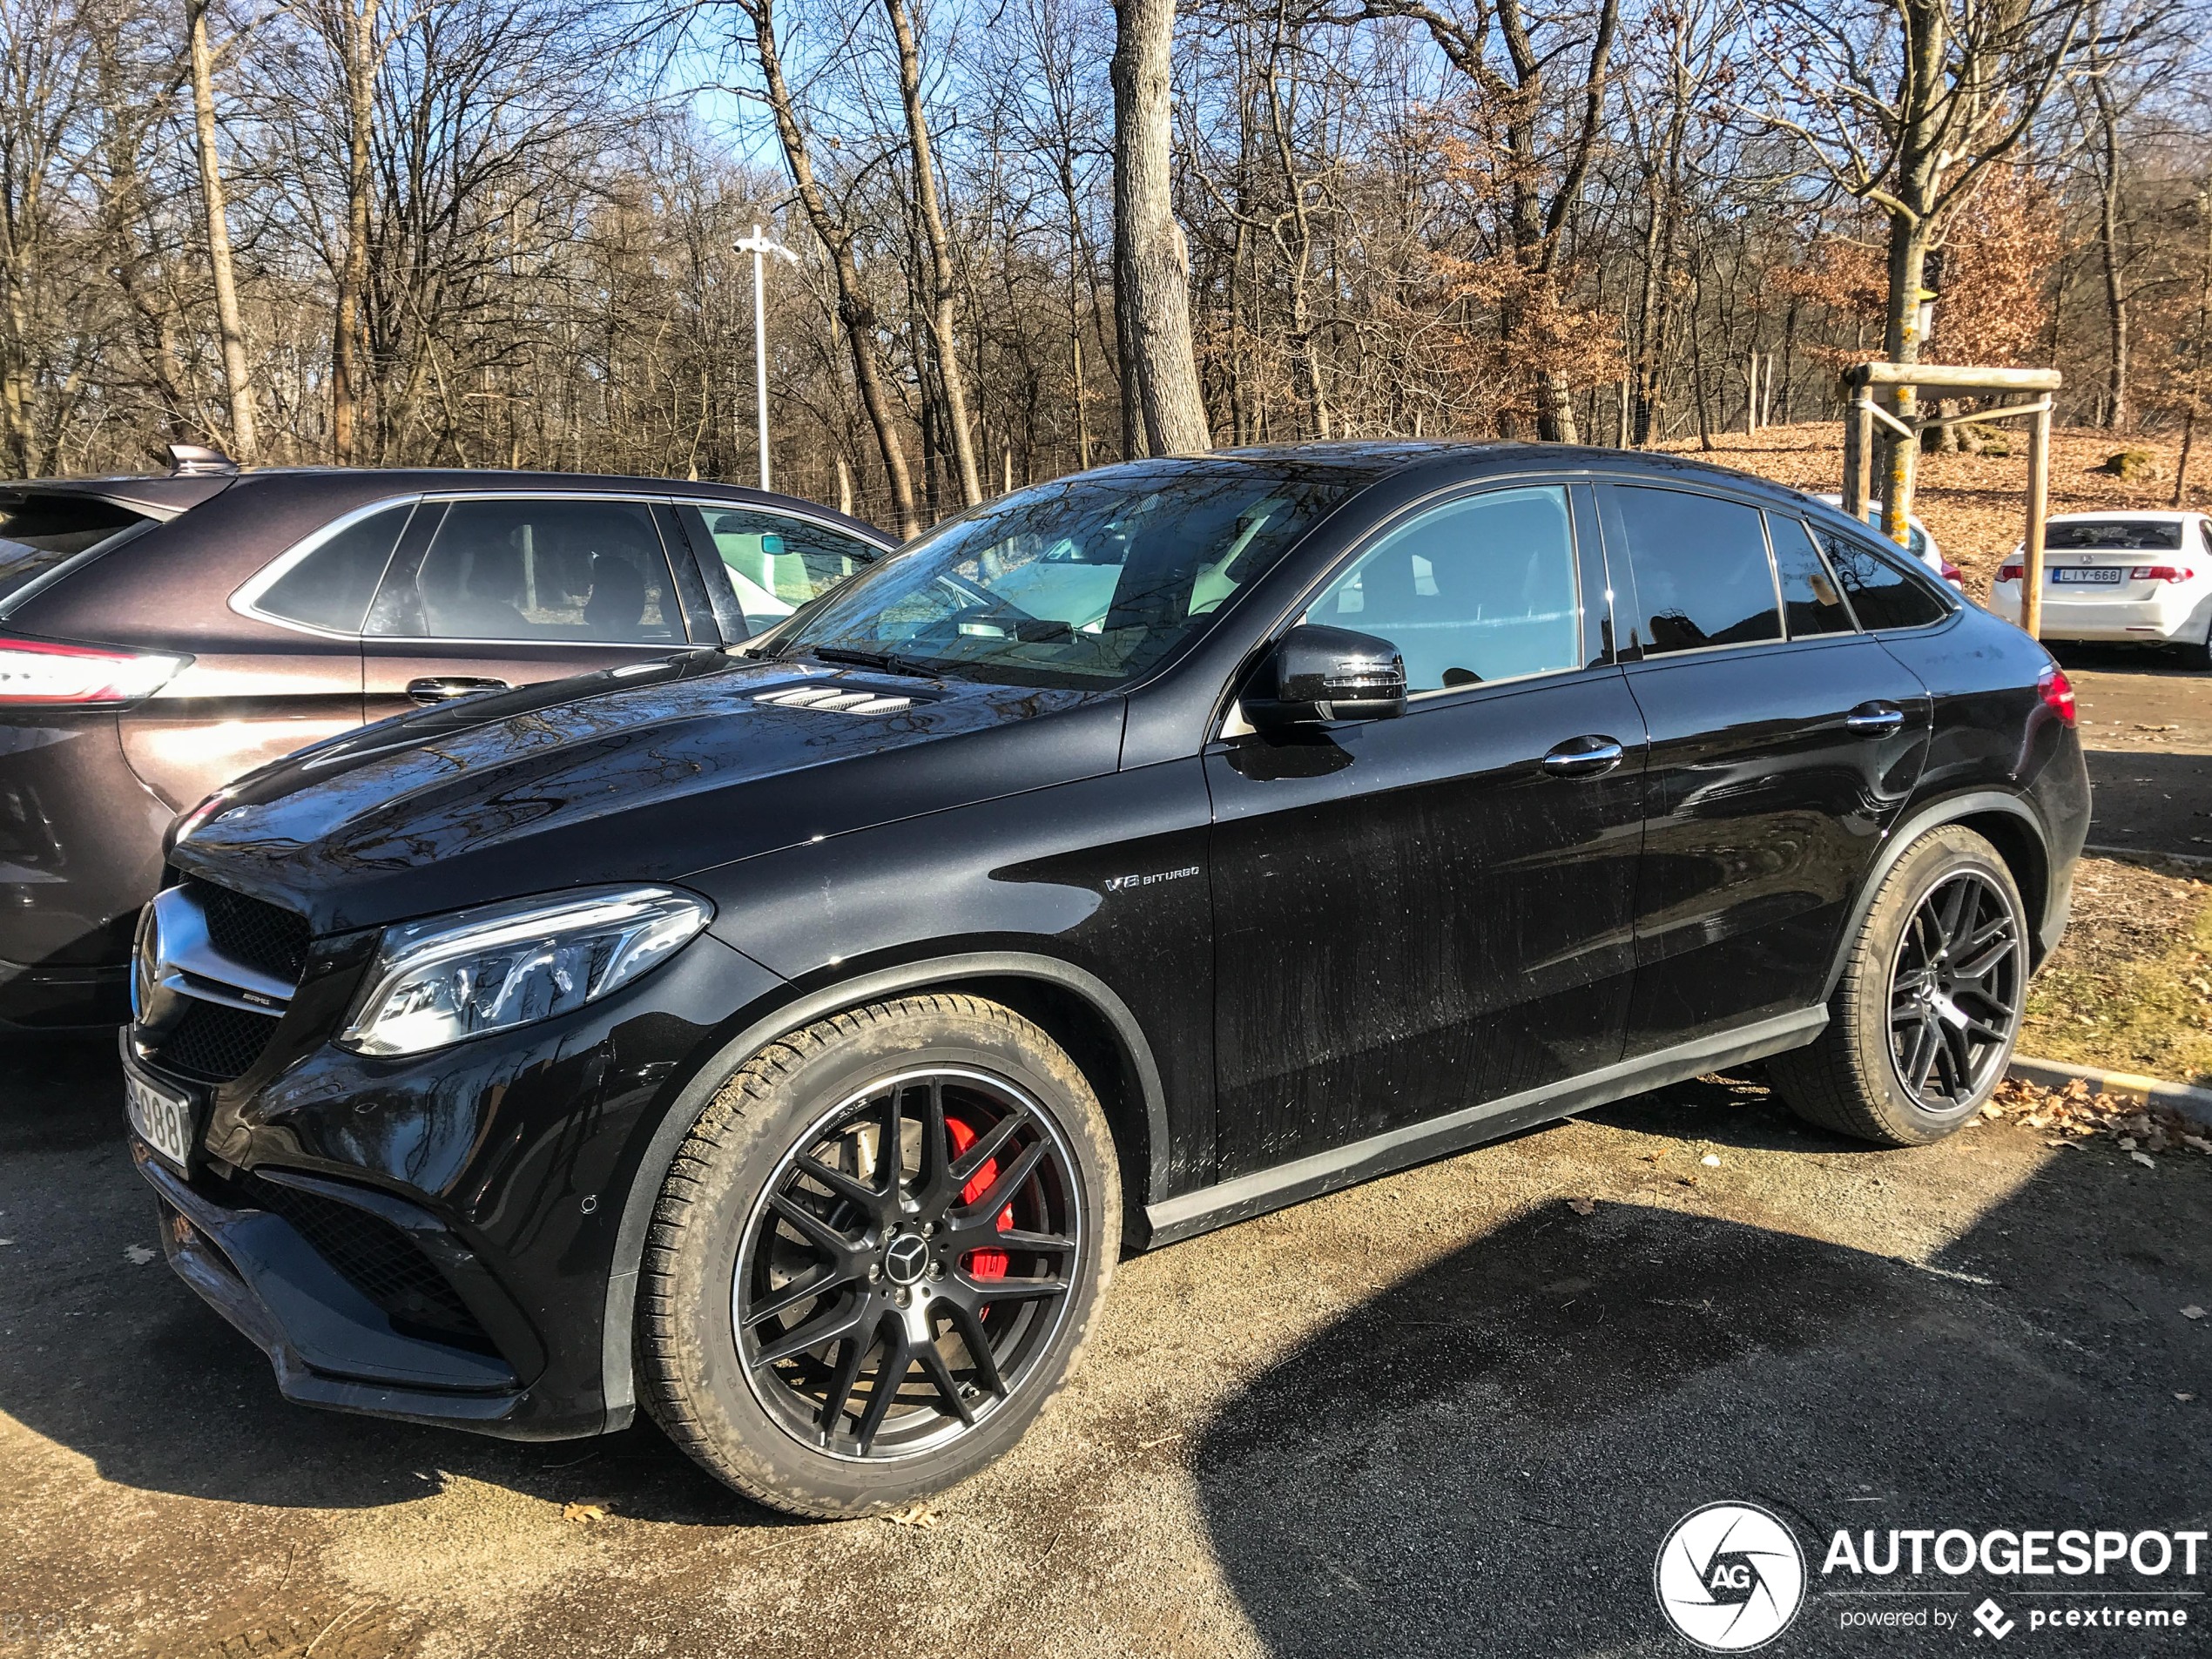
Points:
point(332, 586)
point(1701, 569)
point(591, 572)
point(1812, 602)
point(1883, 594)
point(776, 564)
point(1479, 590)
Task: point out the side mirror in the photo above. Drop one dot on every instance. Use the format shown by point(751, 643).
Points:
point(1316, 673)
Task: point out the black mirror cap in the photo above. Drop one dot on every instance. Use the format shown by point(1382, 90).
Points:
point(1317, 674)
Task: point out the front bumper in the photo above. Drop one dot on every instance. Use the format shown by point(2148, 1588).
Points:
point(330, 1344)
point(433, 1238)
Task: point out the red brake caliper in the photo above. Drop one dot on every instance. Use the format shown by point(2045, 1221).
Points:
point(982, 1263)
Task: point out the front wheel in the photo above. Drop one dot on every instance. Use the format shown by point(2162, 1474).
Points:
point(1922, 1022)
point(877, 1255)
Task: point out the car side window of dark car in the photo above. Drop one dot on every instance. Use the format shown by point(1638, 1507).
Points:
point(1702, 578)
point(1813, 601)
point(1883, 592)
point(328, 584)
point(520, 569)
point(774, 563)
point(1478, 589)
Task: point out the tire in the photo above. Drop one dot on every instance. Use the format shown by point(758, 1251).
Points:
point(2199, 656)
point(1902, 1060)
point(914, 1271)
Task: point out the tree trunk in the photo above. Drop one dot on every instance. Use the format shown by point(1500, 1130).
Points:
point(943, 331)
point(2116, 411)
point(237, 385)
point(1155, 274)
point(358, 54)
point(855, 311)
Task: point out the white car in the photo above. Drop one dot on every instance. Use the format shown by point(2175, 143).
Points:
point(2141, 578)
point(1923, 546)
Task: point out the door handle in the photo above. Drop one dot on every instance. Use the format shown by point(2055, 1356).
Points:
point(1874, 719)
point(443, 688)
point(1590, 756)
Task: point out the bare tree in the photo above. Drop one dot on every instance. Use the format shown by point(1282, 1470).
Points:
point(237, 379)
point(1152, 273)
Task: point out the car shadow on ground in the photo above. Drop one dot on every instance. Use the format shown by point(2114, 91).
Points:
point(1485, 1455)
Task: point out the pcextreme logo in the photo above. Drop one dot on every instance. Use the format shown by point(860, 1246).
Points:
point(1729, 1577)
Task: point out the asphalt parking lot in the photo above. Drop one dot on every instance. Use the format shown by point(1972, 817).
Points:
point(2147, 727)
point(1444, 1413)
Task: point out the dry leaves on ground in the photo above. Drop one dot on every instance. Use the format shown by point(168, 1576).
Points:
point(585, 1513)
point(2074, 1113)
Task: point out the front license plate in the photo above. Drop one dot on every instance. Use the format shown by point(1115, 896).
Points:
point(163, 1119)
point(2092, 576)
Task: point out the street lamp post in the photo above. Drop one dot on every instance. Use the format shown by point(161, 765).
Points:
point(758, 244)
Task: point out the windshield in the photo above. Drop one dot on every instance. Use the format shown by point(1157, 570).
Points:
point(38, 532)
point(2122, 534)
point(1089, 582)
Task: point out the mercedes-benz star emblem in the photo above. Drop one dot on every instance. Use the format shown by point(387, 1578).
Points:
point(905, 1258)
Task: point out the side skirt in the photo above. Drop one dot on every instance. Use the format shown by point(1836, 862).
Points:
point(1193, 1213)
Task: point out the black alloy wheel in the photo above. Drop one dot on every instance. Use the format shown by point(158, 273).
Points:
point(1925, 1012)
point(1955, 990)
point(908, 1265)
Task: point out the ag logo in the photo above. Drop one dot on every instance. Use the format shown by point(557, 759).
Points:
point(1729, 1577)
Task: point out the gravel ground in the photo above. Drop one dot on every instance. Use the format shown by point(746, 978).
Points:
point(1444, 1413)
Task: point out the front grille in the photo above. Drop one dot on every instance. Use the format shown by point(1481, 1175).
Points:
point(252, 932)
point(378, 1259)
point(213, 1042)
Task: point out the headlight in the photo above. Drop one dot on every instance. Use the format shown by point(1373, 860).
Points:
point(500, 966)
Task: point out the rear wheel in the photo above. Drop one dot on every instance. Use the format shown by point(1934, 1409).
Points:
point(878, 1255)
point(1923, 1023)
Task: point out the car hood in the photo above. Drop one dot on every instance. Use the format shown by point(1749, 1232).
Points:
point(651, 772)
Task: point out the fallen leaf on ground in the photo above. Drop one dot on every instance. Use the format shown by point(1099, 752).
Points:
point(2192, 1311)
point(139, 1255)
point(2145, 1159)
point(584, 1512)
point(1711, 1160)
point(2185, 1398)
point(919, 1516)
point(1583, 1206)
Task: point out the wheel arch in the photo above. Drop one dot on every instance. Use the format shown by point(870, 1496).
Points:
point(1076, 1007)
point(2005, 821)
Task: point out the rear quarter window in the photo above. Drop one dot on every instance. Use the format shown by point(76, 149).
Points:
point(39, 534)
point(1885, 589)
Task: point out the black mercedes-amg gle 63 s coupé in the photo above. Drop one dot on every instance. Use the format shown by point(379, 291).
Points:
point(788, 1038)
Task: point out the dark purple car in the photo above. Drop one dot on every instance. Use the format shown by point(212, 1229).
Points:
point(159, 635)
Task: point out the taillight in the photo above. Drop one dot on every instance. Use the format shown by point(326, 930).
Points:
point(35, 673)
point(2057, 693)
point(2162, 573)
point(1954, 575)
point(2011, 570)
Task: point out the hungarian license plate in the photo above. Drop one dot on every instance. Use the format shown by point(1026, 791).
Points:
point(163, 1119)
point(2089, 576)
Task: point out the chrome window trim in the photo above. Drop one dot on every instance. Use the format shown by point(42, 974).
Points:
point(246, 599)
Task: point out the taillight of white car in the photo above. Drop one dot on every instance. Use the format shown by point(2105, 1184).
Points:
point(44, 673)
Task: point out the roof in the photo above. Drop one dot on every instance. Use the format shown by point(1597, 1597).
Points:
point(166, 495)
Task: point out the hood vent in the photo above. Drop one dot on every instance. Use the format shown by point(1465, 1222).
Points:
point(829, 699)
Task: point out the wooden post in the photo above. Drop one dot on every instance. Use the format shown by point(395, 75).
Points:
point(2038, 500)
point(1858, 447)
